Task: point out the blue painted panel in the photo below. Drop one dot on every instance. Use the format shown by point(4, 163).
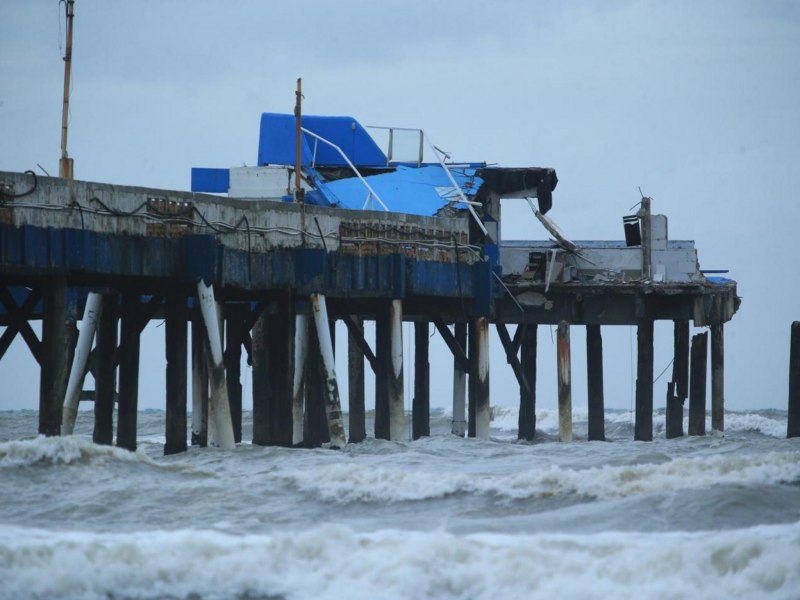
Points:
point(198, 254)
point(210, 180)
point(277, 143)
point(36, 245)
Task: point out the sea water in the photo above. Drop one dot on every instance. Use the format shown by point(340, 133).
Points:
point(441, 517)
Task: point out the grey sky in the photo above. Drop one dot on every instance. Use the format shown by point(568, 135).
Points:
point(696, 102)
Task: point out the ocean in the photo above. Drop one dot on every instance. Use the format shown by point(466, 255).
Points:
point(442, 517)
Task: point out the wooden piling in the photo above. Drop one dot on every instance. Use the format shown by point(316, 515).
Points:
point(459, 425)
point(280, 331)
point(643, 428)
point(53, 356)
point(421, 406)
point(678, 391)
point(697, 390)
point(315, 426)
point(383, 363)
point(233, 368)
point(176, 345)
point(594, 381)
point(478, 387)
point(527, 400)
point(355, 379)
point(793, 421)
point(564, 361)
point(261, 386)
point(105, 379)
point(128, 372)
point(389, 392)
point(199, 383)
point(717, 378)
point(298, 385)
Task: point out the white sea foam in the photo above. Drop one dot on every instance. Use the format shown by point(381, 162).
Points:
point(61, 450)
point(349, 482)
point(335, 562)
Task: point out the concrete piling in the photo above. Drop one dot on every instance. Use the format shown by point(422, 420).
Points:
point(176, 346)
point(128, 403)
point(479, 401)
point(389, 387)
point(299, 371)
point(564, 361)
point(421, 406)
point(91, 316)
point(643, 427)
point(594, 381)
point(233, 369)
point(697, 390)
point(53, 356)
point(793, 422)
point(106, 377)
point(333, 408)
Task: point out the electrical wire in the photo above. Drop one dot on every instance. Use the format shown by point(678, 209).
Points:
point(23, 194)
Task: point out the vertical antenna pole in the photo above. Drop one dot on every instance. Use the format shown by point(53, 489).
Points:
point(298, 119)
point(65, 164)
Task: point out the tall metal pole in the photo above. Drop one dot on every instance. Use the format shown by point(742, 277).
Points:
point(298, 119)
point(65, 164)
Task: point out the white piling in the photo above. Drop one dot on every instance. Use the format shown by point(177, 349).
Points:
point(333, 407)
point(483, 412)
point(300, 353)
point(91, 315)
point(220, 424)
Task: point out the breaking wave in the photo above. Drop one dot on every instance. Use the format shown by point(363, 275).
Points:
point(334, 561)
point(62, 450)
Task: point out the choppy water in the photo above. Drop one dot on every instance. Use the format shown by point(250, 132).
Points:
point(440, 517)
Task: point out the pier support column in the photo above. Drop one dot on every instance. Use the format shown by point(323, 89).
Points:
point(643, 428)
point(128, 372)
point(199, 383)
point(459, 425)
point(54, 355)
point(175, 333)
point(91, 316)
point(697, 391)
point(480, 412)
point(527, 400)
point(421, 407)
point(333, 407)
point(389, 392)
point(315, 423)
point(219, 411)
point(594, 381)
point(300, 369)
point(564, 360)
point(717, 379)
point(793, 421)
point(106, 375)
point(680, 381)
point(355, 381)
point(234, 331)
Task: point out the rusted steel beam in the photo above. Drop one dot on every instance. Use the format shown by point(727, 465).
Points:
point(456, 347)
point(564, 361)
point(643, 427)
point(594, 383)
point(697, 391)
point(717, 378)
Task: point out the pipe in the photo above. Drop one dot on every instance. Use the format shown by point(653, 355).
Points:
point(219, 410)
point(91, 315)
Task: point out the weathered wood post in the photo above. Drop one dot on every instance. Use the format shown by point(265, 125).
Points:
point(333, 407)
point(128, 372)
point(54, 355)
point(717, 379)
point(389, 392)
point(697, 392)
point(480, 412)
point(261, 385)
point(175, 333)
point(564, 360)
point(594, 380)
point(106, 379)
point(219, 411)
point(643, 428)
point(421, 408)
point(300, 369)
point(679, 390)
point(527, 400)
point(355, 380)
point(793, 421)
point(315, 423)
point(91, 316)
point(459, 425)
point(233, 367)
point(199, 383)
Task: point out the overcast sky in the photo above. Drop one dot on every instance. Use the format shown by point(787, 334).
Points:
point(697, 103)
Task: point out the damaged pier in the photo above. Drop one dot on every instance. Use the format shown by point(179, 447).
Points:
point(262, 273)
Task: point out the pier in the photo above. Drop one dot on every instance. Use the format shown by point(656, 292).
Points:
point(258, 274)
